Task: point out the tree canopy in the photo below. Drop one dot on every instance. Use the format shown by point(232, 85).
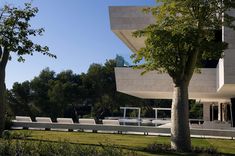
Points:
point(16, 38)
point(16, 29)
point(183, 36)
point(67, 94)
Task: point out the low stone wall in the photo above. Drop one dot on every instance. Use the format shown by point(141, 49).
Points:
point(123, 128)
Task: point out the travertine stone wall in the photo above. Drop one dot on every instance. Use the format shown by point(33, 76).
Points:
point(131, 81)
point(128, 18)
point(206, 111)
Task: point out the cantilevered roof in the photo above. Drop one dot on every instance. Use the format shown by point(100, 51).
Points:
point(219, 84)
point(125, 20)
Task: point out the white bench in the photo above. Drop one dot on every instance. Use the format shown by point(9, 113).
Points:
point(87, 121)
point(65, 120)
point(43, 120)
point(110, 122)
point(21, 119)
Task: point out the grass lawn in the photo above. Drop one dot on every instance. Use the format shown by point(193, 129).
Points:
point(132, 142)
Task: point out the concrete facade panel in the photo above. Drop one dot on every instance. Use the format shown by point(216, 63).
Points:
point(126, 18)
point(130, 80)
point(206, 111)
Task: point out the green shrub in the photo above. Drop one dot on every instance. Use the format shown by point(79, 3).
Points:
point(166, 148)
point(112, 150)
point(40, 148)
point(209, 150)
point(16, 134)
point(8, 123)
point(158, 148)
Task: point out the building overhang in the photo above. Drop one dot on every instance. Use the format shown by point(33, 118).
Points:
point(124, 20)
point(153, 85)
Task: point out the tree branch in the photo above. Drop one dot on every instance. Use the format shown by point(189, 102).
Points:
point(192, 59)
point(191, 64)
point(1, 15)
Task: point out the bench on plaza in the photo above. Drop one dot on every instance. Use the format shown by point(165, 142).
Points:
point(86, 121)
point(43, 120)
point(111, 122)
point(65, 121)
point(21, 119)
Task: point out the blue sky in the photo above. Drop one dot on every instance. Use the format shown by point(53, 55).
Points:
point(77, 31)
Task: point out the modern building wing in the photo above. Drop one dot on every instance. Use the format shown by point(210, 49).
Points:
point(213, 86)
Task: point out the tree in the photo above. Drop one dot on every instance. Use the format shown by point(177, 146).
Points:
point(39, 87)
point(15, 37)
point(177, 43)
point(196, 110)
point(19, 99)
point(64, 93)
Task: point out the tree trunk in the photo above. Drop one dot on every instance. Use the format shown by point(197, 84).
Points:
point(4, 56)
point(180, 132)
point(2, 100)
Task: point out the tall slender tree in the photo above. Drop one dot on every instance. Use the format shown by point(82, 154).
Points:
point(180, 39)
point(15, 38)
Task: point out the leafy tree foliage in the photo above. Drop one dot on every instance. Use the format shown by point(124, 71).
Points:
point(67, 94)
point(177, 43)
point(15, 38)
point(39, 89)
point(19, 99)
point(196, 110)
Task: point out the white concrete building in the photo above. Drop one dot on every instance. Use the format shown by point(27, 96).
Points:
point(214, 87)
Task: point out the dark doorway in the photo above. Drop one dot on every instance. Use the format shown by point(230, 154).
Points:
point(213, 112)
point(233, 111)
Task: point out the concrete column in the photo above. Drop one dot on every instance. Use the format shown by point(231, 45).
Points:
point(220, 112)
point(155, 113)
point(124, 114)
point(225, 112)
point(139, 117)
point(206, 111)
